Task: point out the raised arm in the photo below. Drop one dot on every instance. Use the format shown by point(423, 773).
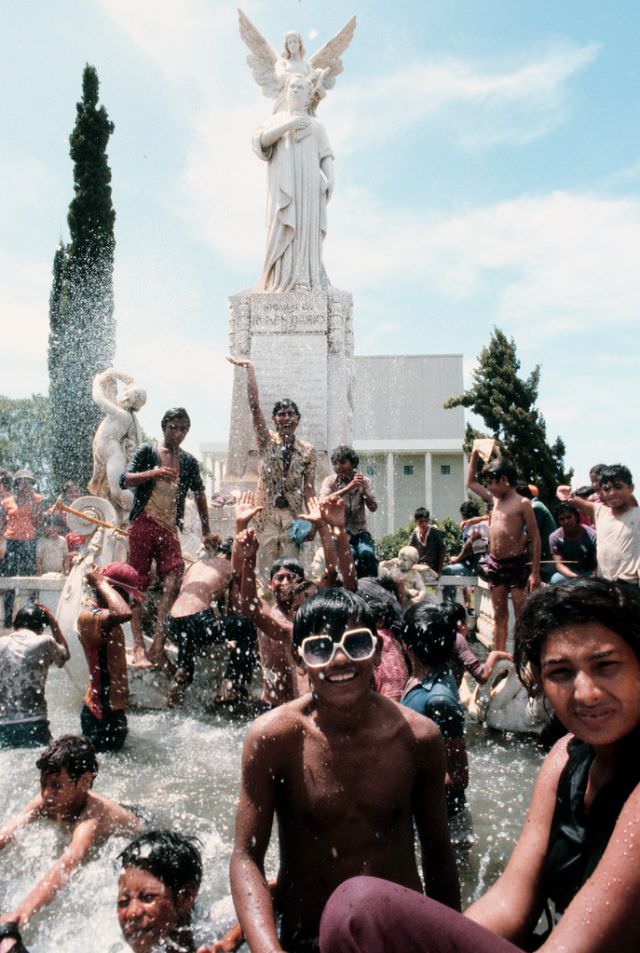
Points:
point(253, 396)
point(471, 482)
point(56, 632)
point(115, 610)
point(334, 516)
point(254, 820)
point(84, 836)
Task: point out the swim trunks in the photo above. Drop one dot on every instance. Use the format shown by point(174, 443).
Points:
point(510, 571)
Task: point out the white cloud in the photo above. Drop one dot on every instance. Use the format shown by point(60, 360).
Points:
point(481, 107)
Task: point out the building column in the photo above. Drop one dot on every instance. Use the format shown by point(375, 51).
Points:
point(428, 482)
point(391, 494)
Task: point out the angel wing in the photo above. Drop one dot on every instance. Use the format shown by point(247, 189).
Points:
point(328, 56)
point(262, 58)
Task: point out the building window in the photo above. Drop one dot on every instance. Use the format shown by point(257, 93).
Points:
point(408, 470)
point(445, 469)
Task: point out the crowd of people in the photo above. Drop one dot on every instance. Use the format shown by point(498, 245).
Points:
point(359, 747)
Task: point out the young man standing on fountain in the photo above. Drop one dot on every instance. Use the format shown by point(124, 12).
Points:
point(287, 472)
point(161, 474)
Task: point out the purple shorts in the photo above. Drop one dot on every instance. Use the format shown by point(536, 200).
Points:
point(512, 572)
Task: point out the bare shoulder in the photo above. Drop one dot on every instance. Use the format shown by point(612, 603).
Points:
point(279, 727)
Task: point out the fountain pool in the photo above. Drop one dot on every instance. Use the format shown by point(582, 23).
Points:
point(184, 768)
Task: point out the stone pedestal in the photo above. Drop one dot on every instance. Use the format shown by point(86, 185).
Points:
point(301, 343)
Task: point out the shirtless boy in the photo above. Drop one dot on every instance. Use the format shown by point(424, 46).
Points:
point(67, 771)
point(194, 626)
point(288, 586)
point(315, 765)
point(507, 567)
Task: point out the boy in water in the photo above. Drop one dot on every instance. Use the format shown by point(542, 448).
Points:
point(507, 567)
point(67, 771)
point(158, 886)
point(193, 626)
point(314, 764)
point(103, 717)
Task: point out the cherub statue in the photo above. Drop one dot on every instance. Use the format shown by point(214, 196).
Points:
point(116, 438)
point(271, 71)
point(402, 570)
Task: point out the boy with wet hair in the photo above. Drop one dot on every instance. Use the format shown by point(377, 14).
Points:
point(67, 771)
point(617, 524)
point(356, 490)
point(160, 475)
point(26, 654)
point(158, 886)
point(113, 588)
point(507, 567)
point(429, 635)
point(314, 764)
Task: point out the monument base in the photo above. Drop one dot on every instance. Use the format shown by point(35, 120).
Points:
point(301, 344)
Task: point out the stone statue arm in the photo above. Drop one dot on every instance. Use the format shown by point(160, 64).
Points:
point(104, 395)
point(327, 166)
point(270, 136)
point(253, 396)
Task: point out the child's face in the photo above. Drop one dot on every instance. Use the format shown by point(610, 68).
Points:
point(344, 469)
point(343, 680)
point(61, 793)
point(50, 532)
point(147, 910)
point(285, 584)
point(616, 494)
point(498, 486)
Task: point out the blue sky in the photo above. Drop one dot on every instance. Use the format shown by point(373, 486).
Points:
point(488, 172)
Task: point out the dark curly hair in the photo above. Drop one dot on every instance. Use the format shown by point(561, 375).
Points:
point(574, 602)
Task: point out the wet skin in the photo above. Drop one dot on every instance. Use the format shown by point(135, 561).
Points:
point(148, 912)
point(591, 677)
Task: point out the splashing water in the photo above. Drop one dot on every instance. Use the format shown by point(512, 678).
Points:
point(184, 769)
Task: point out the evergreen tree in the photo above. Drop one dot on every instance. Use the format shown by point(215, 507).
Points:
point(506, 403)
point(81, 322)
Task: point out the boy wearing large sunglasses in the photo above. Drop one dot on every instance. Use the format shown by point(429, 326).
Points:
point(347, 773)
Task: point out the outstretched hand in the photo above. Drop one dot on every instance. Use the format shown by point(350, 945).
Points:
point(333, 512)
point(313, 514)
point(246, 510)
point(239, 361)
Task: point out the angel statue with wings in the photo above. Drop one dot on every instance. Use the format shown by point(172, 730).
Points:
point(295, 145)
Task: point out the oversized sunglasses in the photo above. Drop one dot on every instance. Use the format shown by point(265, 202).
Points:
point(357, 644)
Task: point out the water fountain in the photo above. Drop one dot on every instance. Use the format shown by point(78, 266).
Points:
point(183, 766)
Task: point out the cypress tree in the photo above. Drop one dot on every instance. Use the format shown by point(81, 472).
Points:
point(81, 321)
point(507, 404)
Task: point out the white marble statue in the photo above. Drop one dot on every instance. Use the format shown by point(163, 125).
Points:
point(402, 569)
point(116, 438)
point(300, 158)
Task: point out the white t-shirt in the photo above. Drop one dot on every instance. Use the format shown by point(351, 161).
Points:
point(52, 551)
point(618, 542)
point(25, 658)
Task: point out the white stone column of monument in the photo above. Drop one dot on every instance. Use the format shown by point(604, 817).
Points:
point(428, 482)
